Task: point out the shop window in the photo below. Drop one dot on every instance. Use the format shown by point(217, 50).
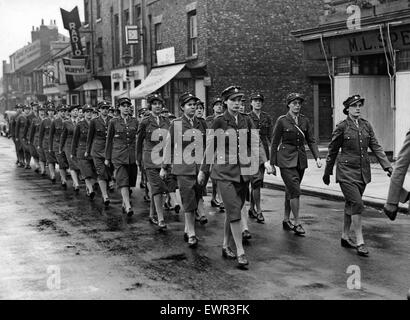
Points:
point(192, 34)
point(124, 85)
point(116, 86)
point(403, 60)
point(99, 10)
point(373, 65)
point(342, 66)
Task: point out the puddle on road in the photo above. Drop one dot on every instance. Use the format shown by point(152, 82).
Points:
point(46, 224)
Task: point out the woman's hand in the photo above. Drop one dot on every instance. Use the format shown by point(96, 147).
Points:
point(319, 163)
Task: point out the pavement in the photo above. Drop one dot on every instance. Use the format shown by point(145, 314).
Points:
point(55, 244)
point(375, 194)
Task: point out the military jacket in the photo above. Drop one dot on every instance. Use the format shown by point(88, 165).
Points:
point(79, 146)
point(121, 141)
point(288, 142)
point(353, 163)
point(66, 140)
point(44, 135)
point(12, 128)
point(210, 120)
point(242, 154)
point(181, 135)
point(145, 145)
point(55, 134)
point(21, 122)
point(265, 126)
point(34, 131)
point(97, 137)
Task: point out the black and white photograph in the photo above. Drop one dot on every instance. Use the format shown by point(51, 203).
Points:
point(204, 155)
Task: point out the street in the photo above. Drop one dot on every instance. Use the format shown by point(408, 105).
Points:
point(101, 254)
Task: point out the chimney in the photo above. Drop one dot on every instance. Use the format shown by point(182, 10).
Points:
point(33, 28)
point(42, 22)
point(55, 23)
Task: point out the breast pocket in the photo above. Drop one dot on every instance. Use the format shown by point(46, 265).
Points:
point(119, 134)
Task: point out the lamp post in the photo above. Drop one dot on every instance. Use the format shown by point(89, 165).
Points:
point(127, 60)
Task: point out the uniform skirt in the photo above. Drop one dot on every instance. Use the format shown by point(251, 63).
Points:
point(34, 153)
point(233, 196)
point(353, 192)
point(157, 185)
point(103, 172)
point(257, 179)
point(50, 156)
point(172, 183)
point(126, 175)
point(41, 155)
point(87, 168)
point(292, 177)
point(62, 160)
point(191, 192)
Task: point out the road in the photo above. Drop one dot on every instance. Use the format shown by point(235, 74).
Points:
point(58, 245)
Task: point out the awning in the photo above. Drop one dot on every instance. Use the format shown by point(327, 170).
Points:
point(91, 85)
point(157, 78)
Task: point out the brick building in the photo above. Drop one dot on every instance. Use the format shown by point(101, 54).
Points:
point(206, 45)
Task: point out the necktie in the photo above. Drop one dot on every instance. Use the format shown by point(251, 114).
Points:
point(296, 120)
point(356, 122)
point(158, 120)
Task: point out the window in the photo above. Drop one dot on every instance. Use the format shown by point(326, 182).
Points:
point(100, 53)
point(126, 17)
point(116, 86)
point(362, 65)
point(116, 40)
point(74, 99)
point(342, 66)
point(98, 9)
point(137, 14)
point(137, 83)
point(403, 60)
point(88, 53)
point(124, 85)
point(86, 12)
point(192, 34)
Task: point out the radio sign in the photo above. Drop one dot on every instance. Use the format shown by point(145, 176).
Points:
point(72, 23)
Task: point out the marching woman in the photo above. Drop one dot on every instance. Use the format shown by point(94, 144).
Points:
point(354, 136)
point(66, 142)
point(288, 152)
point(55, 137)
point(96, 139)
point(44, 141)
point(149, 127)
point(79, 149)
point(120, 151)
point(33, 139)
point(234, 173)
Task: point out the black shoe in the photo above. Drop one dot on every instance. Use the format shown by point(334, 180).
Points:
point(227, 253)
point(106, 202)
point(43, 174)
point(288, 226)
point(27, 167)
point(299, 230)
point(193, 242)
point(362, 251)
point(215, 204)
point(186, 238)
point(242, 261)
point(142, 185)
point(349, 244)
point(252, 214)
point(130, 213)
point(64, 185)
point(153, 220)
point(177, 208)
point(37, 170)
point(246, 235)
point(260, 218)
point(391, 214)
point(77, 190)
point(203, 220)
point(53, 180)
point(221, 208)
point(92, 195)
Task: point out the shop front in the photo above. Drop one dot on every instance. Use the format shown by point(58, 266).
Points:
point(373, 61)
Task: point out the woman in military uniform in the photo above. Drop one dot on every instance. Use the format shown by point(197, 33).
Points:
point(151, 125)
point(55, 136)
point(79, 149)
point(120, 151)
point(288, 153)
point(21, 131)
point(263, 122)
point(66, 142)
point(44, 141)
point(187, 126)
point(96, 139)
point(233, 177)
point(33, 140)
point(354, 135)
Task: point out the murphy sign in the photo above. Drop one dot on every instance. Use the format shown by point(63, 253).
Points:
point(72, 23)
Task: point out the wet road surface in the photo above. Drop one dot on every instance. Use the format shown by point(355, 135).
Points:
point(101, 254)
